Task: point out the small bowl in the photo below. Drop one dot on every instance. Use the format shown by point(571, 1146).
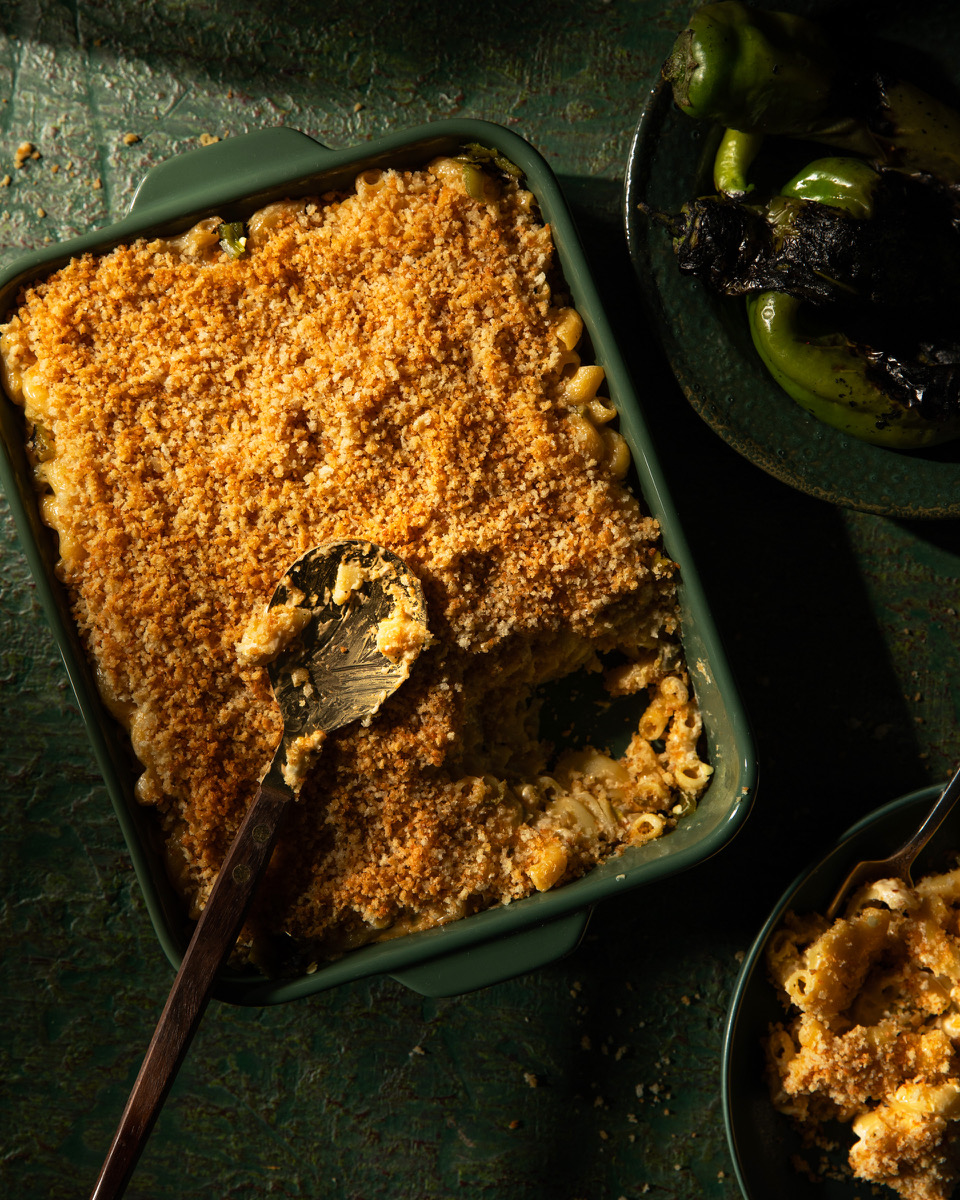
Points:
point(232, 179)
point(761, 1139)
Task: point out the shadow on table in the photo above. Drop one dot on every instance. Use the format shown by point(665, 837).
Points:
point(834, 736)
point(308, 50)
point(945, 535)
point(834, 739)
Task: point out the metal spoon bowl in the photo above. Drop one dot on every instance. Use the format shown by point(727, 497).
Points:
point(898, 864)
point(330, 666)
point(332, 669)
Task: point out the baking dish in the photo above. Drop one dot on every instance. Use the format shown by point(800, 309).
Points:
point(232, 179)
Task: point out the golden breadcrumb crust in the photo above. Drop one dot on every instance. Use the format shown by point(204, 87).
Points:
point(384, 367)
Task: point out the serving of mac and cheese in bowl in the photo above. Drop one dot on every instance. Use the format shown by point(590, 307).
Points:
point(842, 1047)
point(281, 345)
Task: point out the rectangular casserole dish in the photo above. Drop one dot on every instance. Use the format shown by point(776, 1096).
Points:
point(232, 179)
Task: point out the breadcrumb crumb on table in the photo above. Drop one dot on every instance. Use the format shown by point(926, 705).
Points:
point(24, 152)
point(382, 365)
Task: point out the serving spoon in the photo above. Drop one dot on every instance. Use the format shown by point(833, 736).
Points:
point(341, 633)
point(898, 864)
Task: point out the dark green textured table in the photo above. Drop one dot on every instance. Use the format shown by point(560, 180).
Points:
point(596, 1077)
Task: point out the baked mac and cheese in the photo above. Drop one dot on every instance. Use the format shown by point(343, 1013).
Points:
point(395, 364)
point(873, 1036)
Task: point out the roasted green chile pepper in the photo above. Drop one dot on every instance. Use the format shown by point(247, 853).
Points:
point(476, 161)
point(859, 389)
point(233, 240)
point(759, 73)
point(851, 271)
point(769, 72)
point(733, 161)
point(826, 373)
point(841, 230)
point(849, 184)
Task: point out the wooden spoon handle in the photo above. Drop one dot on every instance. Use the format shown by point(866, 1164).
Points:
point(213, 939)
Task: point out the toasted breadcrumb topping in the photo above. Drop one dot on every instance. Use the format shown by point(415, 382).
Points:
point(383, 366)
point(872, 1032)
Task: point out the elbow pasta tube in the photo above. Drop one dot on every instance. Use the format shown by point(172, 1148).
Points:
point(569, 327)
point(588, 415)
point(369, 183)
point(580, 387)
point(646, 827)
point(589, 412)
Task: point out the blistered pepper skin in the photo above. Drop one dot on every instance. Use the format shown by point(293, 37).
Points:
point(826, 375)
point(824, 371)
point(762, 73)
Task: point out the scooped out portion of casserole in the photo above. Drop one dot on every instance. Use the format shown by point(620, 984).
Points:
point(396, 364)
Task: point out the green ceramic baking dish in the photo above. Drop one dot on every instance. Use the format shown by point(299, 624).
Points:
point(232, 179)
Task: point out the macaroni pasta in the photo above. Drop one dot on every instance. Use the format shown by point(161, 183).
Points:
point(873, 1037)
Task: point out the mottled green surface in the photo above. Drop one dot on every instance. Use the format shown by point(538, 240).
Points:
point(842, 626)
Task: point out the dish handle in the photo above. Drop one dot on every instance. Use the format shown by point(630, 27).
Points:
point(498, 959)
point(215, 174)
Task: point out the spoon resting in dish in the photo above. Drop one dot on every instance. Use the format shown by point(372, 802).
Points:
point(341, 632)
point(898, 864)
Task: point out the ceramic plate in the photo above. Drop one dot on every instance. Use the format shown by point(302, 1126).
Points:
point(707, 341)
point(762, 1141)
